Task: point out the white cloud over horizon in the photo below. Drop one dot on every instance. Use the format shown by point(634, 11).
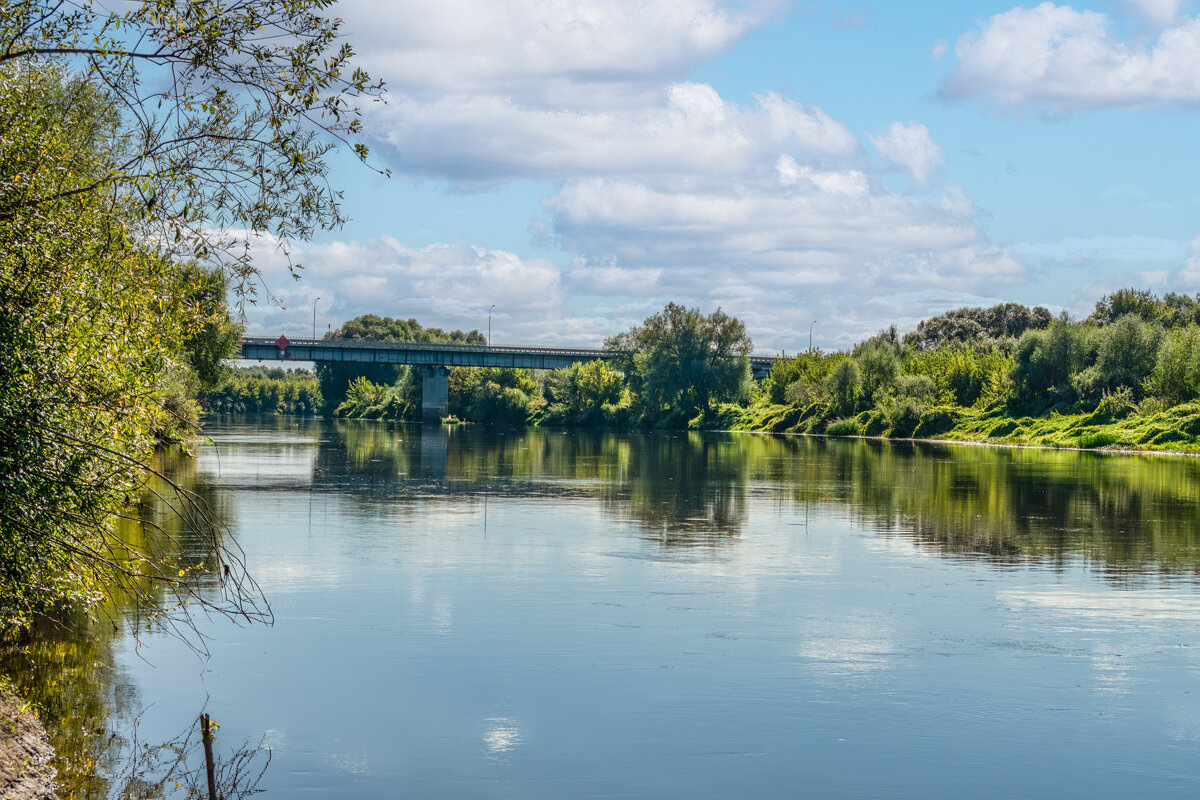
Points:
point(657, 186)
point(1058, 60)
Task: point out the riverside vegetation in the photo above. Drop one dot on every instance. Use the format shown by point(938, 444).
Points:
point(1127, 376)
point(142, 147)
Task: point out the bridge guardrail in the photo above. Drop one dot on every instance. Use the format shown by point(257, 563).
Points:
point(467, 348)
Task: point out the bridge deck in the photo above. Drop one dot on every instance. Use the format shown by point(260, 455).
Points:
point(436, 355)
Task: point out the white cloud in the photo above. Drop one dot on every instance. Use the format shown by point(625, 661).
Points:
point(441, 284)
point(1059, 60)
point(687, 131)
point(664, 189)
point(541, 48)
point(911, 147)
point(1187, 278)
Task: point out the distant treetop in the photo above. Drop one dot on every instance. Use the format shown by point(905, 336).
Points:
point(973, 325)
point(386, 329)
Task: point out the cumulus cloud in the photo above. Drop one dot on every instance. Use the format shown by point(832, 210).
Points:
point(440, 284)
point(1059, 60)
point(662, 189)
point(689, 130)
point(911, 147)
point(541, 48)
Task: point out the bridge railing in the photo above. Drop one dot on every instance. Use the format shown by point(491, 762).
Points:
point(367, 344)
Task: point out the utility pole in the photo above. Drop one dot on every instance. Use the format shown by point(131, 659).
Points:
point(315, 317)
point(814, 322)
point(490, 325)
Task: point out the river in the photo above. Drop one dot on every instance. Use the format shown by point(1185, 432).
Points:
point(469, 613)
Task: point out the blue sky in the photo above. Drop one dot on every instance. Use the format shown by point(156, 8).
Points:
point(580, 163)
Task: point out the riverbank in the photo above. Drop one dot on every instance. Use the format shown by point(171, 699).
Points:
point(1174, 430)
point(25, 752)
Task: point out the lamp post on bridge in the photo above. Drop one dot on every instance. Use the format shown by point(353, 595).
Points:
point(810, 327)
point(490, 325)
point(315, 317)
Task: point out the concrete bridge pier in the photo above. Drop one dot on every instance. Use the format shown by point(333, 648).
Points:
point(435, 393)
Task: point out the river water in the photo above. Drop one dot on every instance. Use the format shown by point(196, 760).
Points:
point(467, 613)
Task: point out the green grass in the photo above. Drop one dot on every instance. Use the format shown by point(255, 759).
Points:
point(1173, 429)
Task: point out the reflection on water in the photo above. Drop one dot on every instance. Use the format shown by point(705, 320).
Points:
point(1120, 513)
point(474, 613)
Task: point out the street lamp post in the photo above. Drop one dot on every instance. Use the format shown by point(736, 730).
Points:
point(810, 327)
point(490, 325)
point(315, 317)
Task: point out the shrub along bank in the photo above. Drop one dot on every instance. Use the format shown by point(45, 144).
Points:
point(1128, 376)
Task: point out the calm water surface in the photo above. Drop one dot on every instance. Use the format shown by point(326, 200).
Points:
point(472, 614)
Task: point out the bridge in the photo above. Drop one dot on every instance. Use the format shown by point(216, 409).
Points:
point(435, 359)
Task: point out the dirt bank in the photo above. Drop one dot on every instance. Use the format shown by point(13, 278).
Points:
point(24, 751)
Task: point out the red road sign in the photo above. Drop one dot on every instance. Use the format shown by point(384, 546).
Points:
point(282, 342)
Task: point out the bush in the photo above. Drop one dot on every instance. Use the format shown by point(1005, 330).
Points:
point(1127, 352)
point(843, 387)
point(903, 416)
point(1116, 404)
point(1045, 361)
point(1176, 375)
point(1089, 441)
point(918, 387)
point(843, 427)
point(878, 367)
point(935, 422)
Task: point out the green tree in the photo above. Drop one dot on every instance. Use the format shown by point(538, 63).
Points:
point(1127, 352)
point(93, 332)
point(1045, 361)
point(1176, 376)
point(335, 378)
point(579, 394)
point(878, 366)
point(679, 362)
point(227, 110)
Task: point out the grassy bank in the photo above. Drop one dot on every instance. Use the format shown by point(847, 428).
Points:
point(1174, 429)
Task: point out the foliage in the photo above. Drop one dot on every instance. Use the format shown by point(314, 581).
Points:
point(809, 368)
point(494, 395)
point(94, 365)
point(843, 427)
point(583, 394)
point(843, 387)
point(265, 390)
point(679, 362)
point(879, 366)
point(1044, 362)
point(960, 375)
point(975, 325)
point(918, 387)
point(217, 336)
point(335, 378)
point(1176, 375)
point(371, 401)
point(227, 109)
point(1127, 351)
point(1116, 404)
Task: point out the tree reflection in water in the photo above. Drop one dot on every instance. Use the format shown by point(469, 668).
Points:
point(68, 672)
point(1120, 513)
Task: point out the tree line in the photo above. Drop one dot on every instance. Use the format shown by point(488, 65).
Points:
point(1135, 355)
